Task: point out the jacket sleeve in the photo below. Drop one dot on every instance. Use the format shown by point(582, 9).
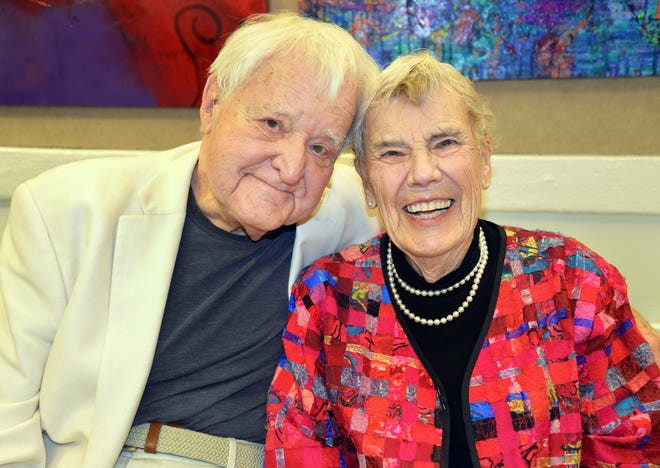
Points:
point(620, 400)
point(301, 428)
point(31, 289)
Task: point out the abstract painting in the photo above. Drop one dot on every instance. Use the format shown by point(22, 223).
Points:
point(112, 52)
point(508, 39)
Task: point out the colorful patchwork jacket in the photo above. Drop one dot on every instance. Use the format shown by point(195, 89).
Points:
point(563, 378)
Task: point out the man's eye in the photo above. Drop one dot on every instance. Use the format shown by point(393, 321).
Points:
point(319, 150)
point(272, 124)
point(323, 156)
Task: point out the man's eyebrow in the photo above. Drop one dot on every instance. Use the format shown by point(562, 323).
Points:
point(276, 110)
point(338, 141)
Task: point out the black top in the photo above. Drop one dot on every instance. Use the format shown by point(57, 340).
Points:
point(449, 351)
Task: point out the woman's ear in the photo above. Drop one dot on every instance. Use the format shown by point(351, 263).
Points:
point(362, 172)
point(210, 98)
point(487, 171)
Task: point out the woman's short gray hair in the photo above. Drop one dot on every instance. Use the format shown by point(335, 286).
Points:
point(415, 77)
point(335, 57)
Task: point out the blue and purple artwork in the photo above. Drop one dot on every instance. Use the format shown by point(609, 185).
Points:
point(508, 39)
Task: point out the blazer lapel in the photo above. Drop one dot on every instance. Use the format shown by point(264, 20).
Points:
point(341, 219)
point(146, 246)
point(318, 236)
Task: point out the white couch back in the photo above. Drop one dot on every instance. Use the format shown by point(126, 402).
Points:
point(611, 203)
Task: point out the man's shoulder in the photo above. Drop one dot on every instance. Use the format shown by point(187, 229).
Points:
point(95, 165)
point(113, 182)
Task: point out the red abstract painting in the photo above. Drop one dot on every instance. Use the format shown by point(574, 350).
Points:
point(113, 52)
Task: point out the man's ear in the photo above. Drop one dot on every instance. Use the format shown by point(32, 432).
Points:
point(210, 98)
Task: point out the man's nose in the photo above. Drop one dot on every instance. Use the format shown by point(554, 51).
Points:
point(290, 160)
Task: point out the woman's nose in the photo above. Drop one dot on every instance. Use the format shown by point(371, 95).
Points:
point(423, 167)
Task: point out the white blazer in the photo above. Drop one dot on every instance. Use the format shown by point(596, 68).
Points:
point(85, 267)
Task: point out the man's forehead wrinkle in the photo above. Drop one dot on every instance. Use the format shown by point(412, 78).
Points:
point(274, 108)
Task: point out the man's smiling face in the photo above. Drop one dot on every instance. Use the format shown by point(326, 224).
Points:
point(269, 149)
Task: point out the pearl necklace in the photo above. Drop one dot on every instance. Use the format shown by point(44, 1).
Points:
point(420, 292)
point(477, 272)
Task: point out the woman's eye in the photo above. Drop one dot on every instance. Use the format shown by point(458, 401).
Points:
point(389, 154)
point(446, 143)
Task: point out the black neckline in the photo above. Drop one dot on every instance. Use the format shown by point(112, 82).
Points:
point(448, 352)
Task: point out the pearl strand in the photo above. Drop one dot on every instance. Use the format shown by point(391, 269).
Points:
point(478, 274)
point(439, 292)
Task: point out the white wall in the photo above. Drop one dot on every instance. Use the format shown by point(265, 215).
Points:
point(611, 203)
point(627, 241)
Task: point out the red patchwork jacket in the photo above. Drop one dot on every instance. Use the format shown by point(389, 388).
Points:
point(563, 378)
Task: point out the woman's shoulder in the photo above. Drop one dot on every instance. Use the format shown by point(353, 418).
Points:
point(541, 239)
point(345, 262)
point(552, 245)
point(356, 254)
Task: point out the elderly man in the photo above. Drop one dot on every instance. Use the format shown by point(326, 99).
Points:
point(151, 290)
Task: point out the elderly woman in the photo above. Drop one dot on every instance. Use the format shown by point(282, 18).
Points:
point(450, 340)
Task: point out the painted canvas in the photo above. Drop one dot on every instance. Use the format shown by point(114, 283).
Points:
point(508, 39)
point(112, 52)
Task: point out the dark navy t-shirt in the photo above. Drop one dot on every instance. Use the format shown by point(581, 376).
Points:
point(220, 339)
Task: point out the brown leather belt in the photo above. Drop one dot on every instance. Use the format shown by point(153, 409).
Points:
point(158, 437)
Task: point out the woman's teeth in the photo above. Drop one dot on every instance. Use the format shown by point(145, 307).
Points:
point(426, 210)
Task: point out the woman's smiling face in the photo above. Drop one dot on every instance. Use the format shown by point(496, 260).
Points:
point(425, 171)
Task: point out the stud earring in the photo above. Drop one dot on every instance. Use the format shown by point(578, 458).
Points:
point(371, 204)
